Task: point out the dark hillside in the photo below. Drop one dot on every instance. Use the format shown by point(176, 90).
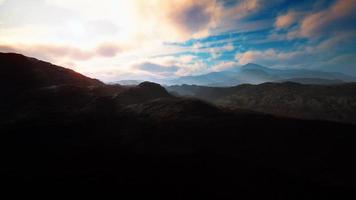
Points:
point(19, 73)
point(144, 142)
point(323, 102)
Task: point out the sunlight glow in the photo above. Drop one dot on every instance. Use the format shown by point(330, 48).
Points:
point(110, 38)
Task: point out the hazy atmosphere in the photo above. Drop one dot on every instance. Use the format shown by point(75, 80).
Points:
point(179, 99)
point(149, 40)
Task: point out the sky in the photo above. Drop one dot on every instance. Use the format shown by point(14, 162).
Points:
point(154, 39)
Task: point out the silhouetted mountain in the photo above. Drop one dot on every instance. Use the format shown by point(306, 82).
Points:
point(332, 102)
point(256, 74)
point(315, 81)
point(144, 92)
point(142, 141)
point(19, 73)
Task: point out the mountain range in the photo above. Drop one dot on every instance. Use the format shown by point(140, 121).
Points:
point(62, 129)
point(334, 102)
point(256, 74)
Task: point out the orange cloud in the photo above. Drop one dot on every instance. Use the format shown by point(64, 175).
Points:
point(336, 17)
point(224, 66)
point(191, 18)
point(286, 20)
point(270, 57)
point(176, 19)
point(57, 52)
point(61, 51)
point(7, 48)
point(243, 8)
point(108, 50)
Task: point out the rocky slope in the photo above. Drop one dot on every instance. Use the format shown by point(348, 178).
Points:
point(19, 73)
point(323, 102)
point(143, 142)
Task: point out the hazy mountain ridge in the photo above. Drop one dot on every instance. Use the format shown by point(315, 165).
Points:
point(328, 102)
point(143, 141)
point(256, 74)
point(315, 81)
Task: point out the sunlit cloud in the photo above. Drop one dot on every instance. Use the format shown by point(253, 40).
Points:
point(120, 39)
point(286, 20)
point(224, 66)
point(47, 51)
point(340, 16)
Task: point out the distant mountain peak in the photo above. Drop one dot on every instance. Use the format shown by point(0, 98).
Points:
point(148, 84)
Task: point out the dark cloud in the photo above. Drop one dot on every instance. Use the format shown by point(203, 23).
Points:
point(192, 18)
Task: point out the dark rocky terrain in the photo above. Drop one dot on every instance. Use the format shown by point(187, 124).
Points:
point(60, 129)
point(323, 102)
point(19, 73)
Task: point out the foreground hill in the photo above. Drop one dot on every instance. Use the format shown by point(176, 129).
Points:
point(325, 102)
point(19, 73)
point(142, 141)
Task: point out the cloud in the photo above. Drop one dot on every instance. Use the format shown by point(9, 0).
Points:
point(170, 20)
point(170, 66)
point(340, 16)
point(108, 50)
point(283, 21)
point(116, 74)
point(171, 60)
point(198, 67)
point(216, 52)
point(242, 8)
point(337, 42)
point(16, 13)
point(224, 66)
point(311, 55)
point(344, 63)
point(156, 69)
point(229, 47)
point(49, 52)
point(56, 52)
point(7, 48)
point(192, 18)
point(177, 20)
point(230, 18)
point(61, 51)
point(101, 27)
point(186, 58)
point(164, 66)
point(272, 57)
point(135, 34)
point(253, 56)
